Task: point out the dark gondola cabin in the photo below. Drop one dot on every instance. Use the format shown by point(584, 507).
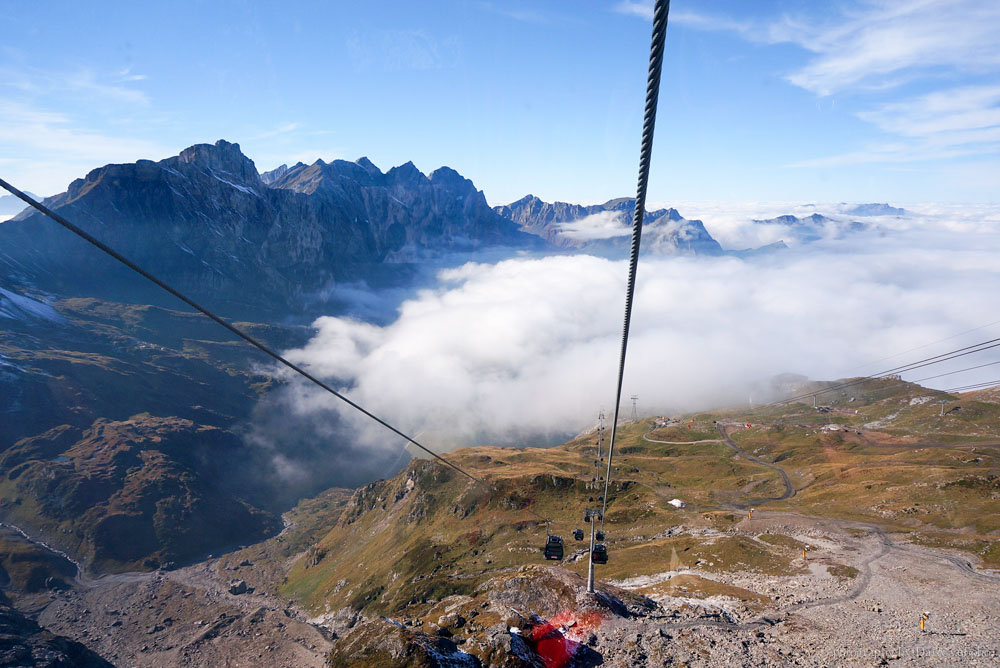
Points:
point(554, 548)
point(578, 534)
point(600, 554)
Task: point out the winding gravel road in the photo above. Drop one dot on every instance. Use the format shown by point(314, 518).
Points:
point(789, 490)
point(864, 567)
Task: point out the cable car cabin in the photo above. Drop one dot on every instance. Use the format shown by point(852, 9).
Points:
point(554, 548)
point(600, 536)
point(578, 534)
point(600, 554)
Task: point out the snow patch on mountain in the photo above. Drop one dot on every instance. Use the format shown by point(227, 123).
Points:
point(18, 307)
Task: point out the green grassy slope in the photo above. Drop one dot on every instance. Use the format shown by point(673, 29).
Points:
point(429, 533)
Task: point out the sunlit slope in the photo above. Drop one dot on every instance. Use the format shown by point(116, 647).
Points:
point(430, 532)
point(910, 459)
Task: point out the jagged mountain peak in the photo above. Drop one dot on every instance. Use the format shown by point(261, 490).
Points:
point(364, 163)
point(620, 204)
point(406, 174)
point(222, 157)
point(604, 228)
point(273, 175)
point(446, 177)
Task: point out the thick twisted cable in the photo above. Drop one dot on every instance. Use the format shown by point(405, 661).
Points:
point(660, 12)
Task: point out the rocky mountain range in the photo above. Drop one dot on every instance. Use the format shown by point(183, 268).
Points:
point(605, 229)
point(876, 209)
point(209, 223)
point(812, 228)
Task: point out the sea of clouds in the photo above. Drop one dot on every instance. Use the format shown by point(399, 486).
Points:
point(526, 350)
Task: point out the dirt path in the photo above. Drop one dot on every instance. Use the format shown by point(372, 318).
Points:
point(962, 564)
point(646, 437)
point(860, 585)
point(789, 489)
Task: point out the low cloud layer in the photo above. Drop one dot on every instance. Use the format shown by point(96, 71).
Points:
point(525, 350)
point(600, 225)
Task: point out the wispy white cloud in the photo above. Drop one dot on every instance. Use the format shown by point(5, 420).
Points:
point(282, 129)
point(640, 8)
point(126, 75)
point(60, 148)
point(872, 45)
point(94, 87)
point(876, 46)
point(952, 123)
point(522, 14)
point(601, 225)
point(879, 41)
point(954, 110)
point(40, 130)
point(55, 147)
point(400, 50)
point(706, 22)
point(692, 19)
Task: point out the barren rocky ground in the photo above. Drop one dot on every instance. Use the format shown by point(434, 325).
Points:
point(186, 617)
point(813, 618)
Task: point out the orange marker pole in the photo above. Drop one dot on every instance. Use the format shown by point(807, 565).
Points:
point(923, 618)
point(803, 553)
point(750, 514)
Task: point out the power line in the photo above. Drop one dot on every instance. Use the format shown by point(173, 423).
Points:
point(944, 357)
point(660, 12)
point(926, 345)
point(940, 375)
point(975, 386)
point(238, 332)
point(928, 361)
point(952, 373)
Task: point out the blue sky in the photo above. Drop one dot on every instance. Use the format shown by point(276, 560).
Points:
point(766, 100)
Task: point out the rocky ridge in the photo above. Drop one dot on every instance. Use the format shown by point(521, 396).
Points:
point(208, 223)
point(605, 229)
point(815, 227)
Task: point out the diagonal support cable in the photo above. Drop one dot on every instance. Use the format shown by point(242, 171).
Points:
point(235, 330)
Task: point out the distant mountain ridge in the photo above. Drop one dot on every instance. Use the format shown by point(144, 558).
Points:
point(814, 227)
point(606, 228)
point(10, 205)
point(208, 222)
point(882, 209)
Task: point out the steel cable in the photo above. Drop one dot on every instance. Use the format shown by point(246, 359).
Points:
point(660, 12)
point(235, 330)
